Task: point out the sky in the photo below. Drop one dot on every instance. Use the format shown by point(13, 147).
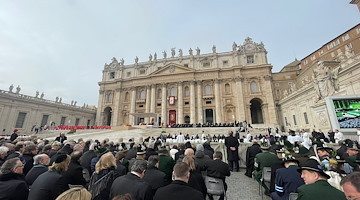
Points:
point(59, 47)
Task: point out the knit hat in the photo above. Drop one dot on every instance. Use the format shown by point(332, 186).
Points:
point(199, 147)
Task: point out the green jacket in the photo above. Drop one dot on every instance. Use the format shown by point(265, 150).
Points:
point(166, 165)
point(321, 189)
point(265, 159)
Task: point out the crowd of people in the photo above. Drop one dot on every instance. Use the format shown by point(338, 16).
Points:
point(303, 163)
point(64, 169)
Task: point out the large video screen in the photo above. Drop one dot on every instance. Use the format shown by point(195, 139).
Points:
point(347, 112)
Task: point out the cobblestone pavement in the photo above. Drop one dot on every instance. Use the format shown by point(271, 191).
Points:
point(241, 187)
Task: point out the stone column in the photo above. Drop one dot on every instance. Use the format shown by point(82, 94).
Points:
point(147, 103)
point(192, 103)
point(153, 100)
point(240, 106)
point(99, 115)
point(180, 112)
point(132, 106)
point(199, 102)
point(116, 118)
point(163, 105)
point(217, 102)
point(272, 120)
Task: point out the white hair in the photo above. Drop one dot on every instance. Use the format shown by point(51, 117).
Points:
point(3, 150)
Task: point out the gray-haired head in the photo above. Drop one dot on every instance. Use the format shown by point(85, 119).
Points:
point(41, 158)
point(9, 165)
point(3, 150)
point(139, 166)
point(199, 147)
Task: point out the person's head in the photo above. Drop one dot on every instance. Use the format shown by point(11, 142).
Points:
point(61, 163)
point(322, 152)
point(31, 149)
point(120, 156)
point(139, 167)
point(62, 134)
point(3, 152)
point(181, 172)
point(231, 133)
point(190, 162)
point(153, 161)
point(199, 147)
point(46, 149)
point(79, 147)
point(352, 151)
point(13, 165)
point(312, 171)
point(351, 185)
point(78, 193)
point(106, 161)
point(56, 145)
point(76, 155)
point(41, 159)
point(189, 152)
point(20, 147)
point(218, 155)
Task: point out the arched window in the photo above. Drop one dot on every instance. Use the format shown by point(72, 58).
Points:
point(254, 87)
point(159, 94)
point(173, 91)
point(142, 94)
point(208, 90)
point(127, 96)
point(227, 88)
point(187, 91)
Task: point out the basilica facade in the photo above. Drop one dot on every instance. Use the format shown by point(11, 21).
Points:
point(194, 88)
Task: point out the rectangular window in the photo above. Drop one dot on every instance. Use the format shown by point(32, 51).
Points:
point(77, 121)
point(345, 37)
point(159, 104)
point(112, 75)
point(44, 120)
point(305, 62)
point(313, 57)
point(62, 121)
point(321, 52)
point(286, 122)
point(186, 103)
point(306, 118)
point(20, 120)
point(206, 64)
point(128, 74)
point(278, 92)
point(207, 102)
point(141, 106)
point(294, 120)
point(349, 46)
point(142, 71)
point(358, 30)
point(186, 65)
point(250, 59)
point(225, 62)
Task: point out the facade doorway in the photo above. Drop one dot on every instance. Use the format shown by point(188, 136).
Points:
point(187, 119)
point(209, 116)
point(107, 116)
point(256, 111)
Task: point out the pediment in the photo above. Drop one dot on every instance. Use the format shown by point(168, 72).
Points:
point(172, 68)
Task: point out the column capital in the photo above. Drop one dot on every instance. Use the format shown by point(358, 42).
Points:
point(267, 77)
point(101, 91)
point(217, 81)
point(163, 84)
point(153, 86)
point(118, 89)
point(192, 82)
point(199, 82)
point(179, 83)
point(239, 78)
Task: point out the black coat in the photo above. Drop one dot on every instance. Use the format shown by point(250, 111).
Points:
point(102, 182)
point(132, 184)
point(74, 174)
point(155, 178)
point(35, 172)
point(86, 159)
point(197, 182)
point(231, 141)
point(13, 187)
point(29, 162)
point(48, 186)
point(217, 169)
point(178, 190)
point(251, 152)
point(61, 139)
